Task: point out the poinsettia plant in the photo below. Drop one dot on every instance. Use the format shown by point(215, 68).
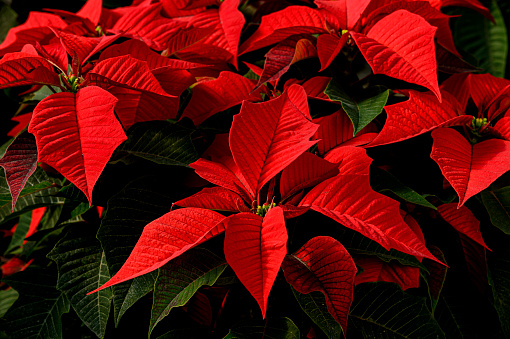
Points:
point(239, 169)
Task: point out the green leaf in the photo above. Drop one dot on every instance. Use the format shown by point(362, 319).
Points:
point(451, 315)
point(38, 192)
point(185, 333)
point(314, 305)
point(486, 42)
point(7, 20)
point(382, 181)
point(383, 310)
point(361, 111)
point(37, 312)
point(35, 97)
point(7, 298)
point(179, 280)
point(73, 193)
point(21, 231)
point(127, 213)
point(275, 328)
point(82, 268)
point(498, 264)
point(161, 142)
point(497, 204)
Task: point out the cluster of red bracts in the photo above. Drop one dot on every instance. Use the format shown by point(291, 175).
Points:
point(110, 69)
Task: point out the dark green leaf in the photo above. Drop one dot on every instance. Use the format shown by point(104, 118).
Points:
point(382, 181)
point(21, 231)
point(73, 193)
point(7, 20)
point(179, 280)
point(276, 328)
point(383, 310)
point(498, 263)
point(161, 142)
point(480, 38)
point(7, 298)
point(38, 192)
point(451, 315)
point(127, 213)
point(82, 268)
point(37, 312)
point(314, 305)
point(361, 111)
point(497, 204)
point(185, 333)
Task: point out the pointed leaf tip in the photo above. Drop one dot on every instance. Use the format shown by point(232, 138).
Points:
point(279, 132)
point(323, 264)
point(77, 133)
point(166, 238)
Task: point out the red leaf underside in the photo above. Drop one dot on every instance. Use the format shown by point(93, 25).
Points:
point(323, 264)
point(19, 162)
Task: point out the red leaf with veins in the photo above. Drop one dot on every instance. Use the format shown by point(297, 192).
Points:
point(164, 239)
point(277, 26)
point(19, 162)
point(347, 12)
point(145, 22)
point(139, 50)
point(255, 248)
point(224, 173)
point(502, 128)
point(137, 106)
point(22, 121)
point(128, 72)
point(77, 133)
point(213, 96)
point(423, 9)
point(401, 45)
point(469, 168)
point(268, 136)
point(328, 47)
point(225, 25)
point(484, 88)
point(35, 29)
point(305, 171)
point(91, 10)
point(17, 69)
point(215, 198)
point(184, 38)
point(323, 264)
point(84, 47)
point(350, 160)
point(336, 129)
point(418, 115)
point(349, 200)
point(374, 269)
point(463, 220)
point(315, 87)
point(473, 4)
point(285, 54)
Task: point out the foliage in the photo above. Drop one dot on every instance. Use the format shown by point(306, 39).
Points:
point(265, 169)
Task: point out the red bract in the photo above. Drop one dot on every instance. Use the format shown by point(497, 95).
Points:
point(324, 265)
point(230, 133)
point(77, 134)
